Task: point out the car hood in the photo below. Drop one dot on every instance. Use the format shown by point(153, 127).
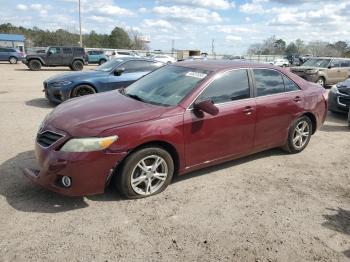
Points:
point(344, 86)
point(73, 76)
point(90, 115)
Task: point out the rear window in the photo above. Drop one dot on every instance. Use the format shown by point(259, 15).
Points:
point(67, 51)
point(79, 50)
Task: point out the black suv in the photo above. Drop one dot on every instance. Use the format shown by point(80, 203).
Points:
point(74, 57)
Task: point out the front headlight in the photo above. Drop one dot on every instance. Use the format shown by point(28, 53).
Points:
point(88, 144)
point(61, 83)
point(311, 71)
point(334, 89)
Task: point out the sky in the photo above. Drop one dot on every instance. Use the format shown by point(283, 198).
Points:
point(192, 24)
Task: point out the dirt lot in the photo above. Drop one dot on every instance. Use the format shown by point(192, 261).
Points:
point(268, 207)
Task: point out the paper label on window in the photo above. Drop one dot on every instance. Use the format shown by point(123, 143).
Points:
point(196, 75)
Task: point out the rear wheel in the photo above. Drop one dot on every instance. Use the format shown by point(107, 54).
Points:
point(102, 61)
point(13, 60)
point(83, 90)
point(321, 81)
point(299, 135)
point(77, 65)
point(145, 172)
point(34, 65)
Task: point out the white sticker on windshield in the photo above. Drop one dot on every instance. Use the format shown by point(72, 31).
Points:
point(196, 75)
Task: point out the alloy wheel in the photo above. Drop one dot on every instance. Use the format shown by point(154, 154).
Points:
point(149, 175)
point(320, 81)
point(84, 90)
point(301, 134)
point(13, 60)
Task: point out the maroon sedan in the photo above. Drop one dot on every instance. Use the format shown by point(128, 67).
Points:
point(177, 119)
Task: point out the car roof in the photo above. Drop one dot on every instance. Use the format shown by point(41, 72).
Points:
point(218, 65)
point(128, 58)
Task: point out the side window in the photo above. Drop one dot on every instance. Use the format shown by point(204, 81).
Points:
point(54, 50)
point(345, 63)
point(79, 51)
point(289, 84)
point(2, 50)
point(139, 66)
point(335, 63)
point(230, 86)
point(268, 82)
point(67, 51)
point(90, 52)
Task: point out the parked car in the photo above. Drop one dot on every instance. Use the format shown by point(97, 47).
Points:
point(114, 74)
point(97, 57)
point(164, 59)
point(11, 55)
point(177, 119)
point(339, 97)
point(73, 57)
point(324, 71)
point(281, 62)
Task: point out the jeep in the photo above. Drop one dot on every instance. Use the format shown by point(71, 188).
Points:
point(73, 57)
point(324, 70)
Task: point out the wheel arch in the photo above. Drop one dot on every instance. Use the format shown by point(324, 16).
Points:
point(77, 59)
point(155, 143)
point(36, 58)
point(312, 117)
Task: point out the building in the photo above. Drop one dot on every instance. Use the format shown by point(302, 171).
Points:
point(15, 41)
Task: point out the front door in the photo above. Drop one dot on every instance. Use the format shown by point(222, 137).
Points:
point(54, 56)
point(231, 131)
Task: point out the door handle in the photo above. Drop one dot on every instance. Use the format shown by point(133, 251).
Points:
point(248, 110)
point(297, 99)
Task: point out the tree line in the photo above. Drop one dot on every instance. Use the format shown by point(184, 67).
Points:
point(276, 46)
point(117, 39)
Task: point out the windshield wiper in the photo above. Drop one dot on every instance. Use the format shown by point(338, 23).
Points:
point(136, 97)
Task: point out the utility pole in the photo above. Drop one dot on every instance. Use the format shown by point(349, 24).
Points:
point(172, 46)
point(81, 36)
point(213, 47)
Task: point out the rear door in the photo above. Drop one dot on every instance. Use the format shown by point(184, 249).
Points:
point(335, 73)
point(231, 131)
point(67, 55)
point(278, 102)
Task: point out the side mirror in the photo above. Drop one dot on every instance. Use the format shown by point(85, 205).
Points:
point(329, 67)
point(119, 71)
point(50, 53)
point(206, 106)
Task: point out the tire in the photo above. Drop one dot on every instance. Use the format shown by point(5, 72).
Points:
point(299, 135)
point(13, 60)
point(102, 61)
point(34, 65)
point(83, 90)
point(321, 81)
point(77, 65)
point(132, 181)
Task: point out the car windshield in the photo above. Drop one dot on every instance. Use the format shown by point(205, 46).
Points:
point(110, 65)
point(166, 86)
point(317, 62)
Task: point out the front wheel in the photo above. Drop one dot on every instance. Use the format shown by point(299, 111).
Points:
point(83, 90)
point(299, 135)
point(102, 61)
point(145, 172)
point(34, 65)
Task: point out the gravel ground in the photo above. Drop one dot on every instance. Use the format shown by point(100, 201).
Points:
point(267, 207)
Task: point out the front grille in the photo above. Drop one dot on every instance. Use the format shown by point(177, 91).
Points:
point(47, 138)
point(344, 91)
